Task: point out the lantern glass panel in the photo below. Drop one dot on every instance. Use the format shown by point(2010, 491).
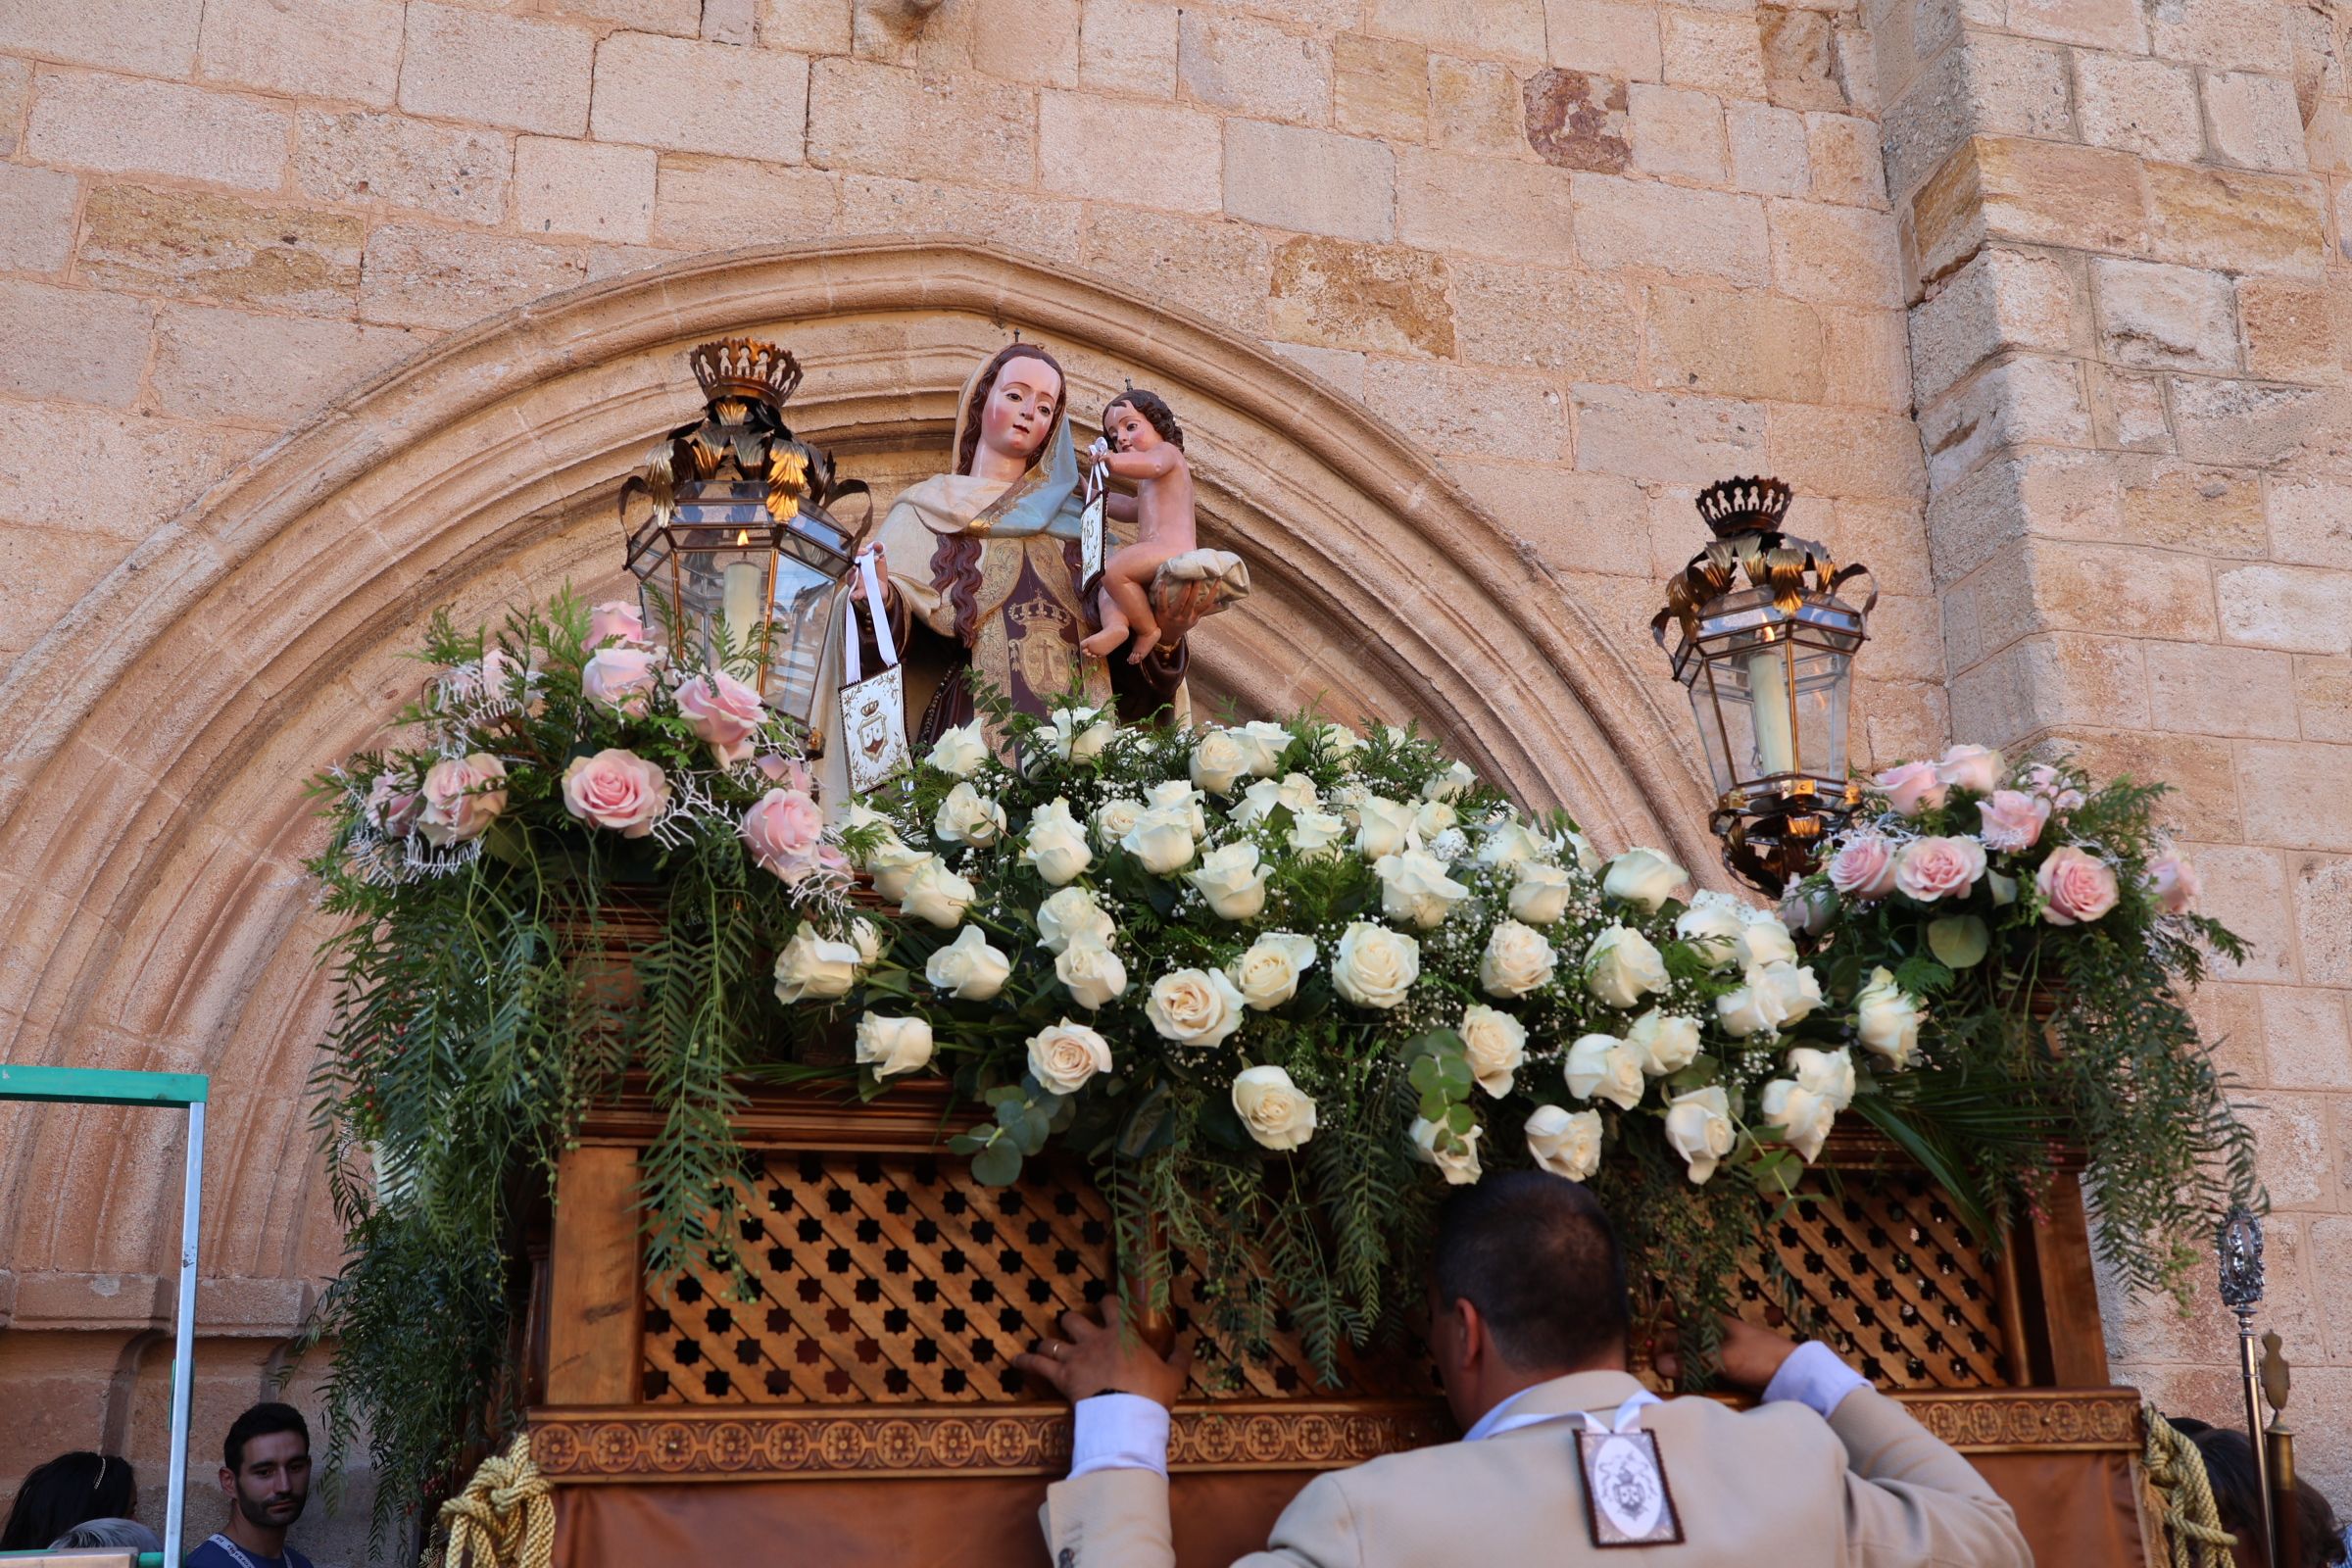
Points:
point(801, 628)
point(1770, 697)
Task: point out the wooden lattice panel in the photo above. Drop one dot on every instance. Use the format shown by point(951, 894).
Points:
point(1906, 1293)
point(897, 1280)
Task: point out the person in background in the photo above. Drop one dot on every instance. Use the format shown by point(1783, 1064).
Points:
point(108, 1535)
point(2237, 1498)
point(69, 1489)
point(266, 1476)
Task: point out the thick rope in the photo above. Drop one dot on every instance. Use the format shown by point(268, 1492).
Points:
point(2192, 1525)
point(504, 1518)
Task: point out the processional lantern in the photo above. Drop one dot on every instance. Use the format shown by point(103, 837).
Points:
point(1766, 649)
point(729, 538)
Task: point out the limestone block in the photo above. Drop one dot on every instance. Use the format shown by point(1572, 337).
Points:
point(1477, 106)
point(360, 157)
point(1254, 68)
point(2327, 137)
point(1380, 299)
point(2027, 398)
point(681, 19)
point(1985, 513)
point(719, 202)
point(1837, 255)
point(1607, 37)
point(1192, 171)
point(1548, 319)
point(37, 219)
point(2101, 24)
point(1222, 269)
point(1897, 720)
point(319, 49)
point(1340, 369)
point(2156, 316)
point(730, 22)
point(515, 72)
point(2211, 690)
point(273, 371)
point(578, 187)
point(1474, 412)
point(2145, 592)
point(693, 97)
point(2255, 121)
point(2223, 35)
point(16, 91)
point(2234, 220)
point(417, 276)
point(1690, 233)
point(905, 205)
point(2183, 505)
point(2293, 331)
point(1576, 120)
point(110, 122)
point(1887, 534)
point(132, 471)
point(2047, 192)
point(1678, 132)
point(822, 27)
point(2202, 771)
point(2231, 422)
point(2126, 408)
point(1769, 150)
point(914, 34)
point(1380, 86)
point(1033, 42)
point(2311, 521)
point(2323, 914)
point(1865, 358)
point(2138, 105)
point(1734, 344)
point(2298, 609)
point(1725, 54)
point(1664, 437)
point(2324, 698)
point(191, 245)
point(1512, 30)
point(153, 37)
point(1129, 47)
point(2052, 679)
point(1576, 521)
point(1845, 452)
point(2003, 299)
point(1310, 181)
point(1485, 207)
point(2282, 784)
point(1801, 59)
point(885, 120)
point(1986, 83)
point(1842, 151)
point(84, 345)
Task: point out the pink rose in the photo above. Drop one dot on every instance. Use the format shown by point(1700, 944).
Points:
point(2013, 820)
point(2047, 782)
point(1912, 788)
point(778, 769)
point(1864, 867)
point(616, 617)
point(462, 797)
point(784, 830)
point(622, 679)
point(392, 807)
point(2175, 884)
point(1939, 868)
point(1806, 912)
point(2076, 888)
point(617, 789)
point(1975, 768)
point(724, 712)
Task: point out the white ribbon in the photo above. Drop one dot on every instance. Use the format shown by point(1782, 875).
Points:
point(1627, 1419)
point(852, 665)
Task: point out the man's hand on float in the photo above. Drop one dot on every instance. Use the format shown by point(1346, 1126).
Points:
point(1091, 1359)
point(1745, 1360)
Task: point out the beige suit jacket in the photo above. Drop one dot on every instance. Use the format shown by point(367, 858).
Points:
point(1776, 1486)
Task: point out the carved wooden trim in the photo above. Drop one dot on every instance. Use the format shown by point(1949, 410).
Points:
point(2030, 1420)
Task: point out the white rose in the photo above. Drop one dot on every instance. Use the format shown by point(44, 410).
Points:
point(1433, 817)
point(1375, 966)
point(1294, 790)
point(1517, 961)
point(1563, 1141)
point(1643, 877)
point(1753, 1008)
point(968, 968)
point(1264, 741)
point(1092, 974)
point(1383, 827)
point(1414, 889)
point(1604, 1067)
point(892, 1046)
point(1764, 940)
point(1175, 795)
point(1270, 1106)
point(937, 895)
point(1071, 916)
point(1317, 833)
point(1267, 974)
point(1349, 800)
point(965, 819)
point(1080, 733)
point(1509, 844)
point(1162, 839)
point(813, 968)
point(1587, 858)
point(1887, 1019)
point(1458, 1164)
point(1827, 1073)
point(866, 937)
point(1395, 735)
point(1541, 895)
point(959, 752)
point(1451, 785)
point(1802, 1117)
point(893, 866)
point(1799, 991)
point(858, 817)
point(1495, 1044)
point(1668, 1043)
point(1113, 818)
point(1232, 881)
point(1195, 1007)
point(1698, 1127)
point(1337, 742)
point(1062, 1057)
point(1712, 926)
point(1057, 845)
point(1622, 968)
point(1219, 760)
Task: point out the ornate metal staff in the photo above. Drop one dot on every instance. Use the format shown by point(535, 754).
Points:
point(2240, 1247)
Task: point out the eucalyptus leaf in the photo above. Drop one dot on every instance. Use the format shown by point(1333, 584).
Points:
point(997, 1165)
point(1960, 940)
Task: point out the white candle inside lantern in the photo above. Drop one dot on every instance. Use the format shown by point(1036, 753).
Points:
point(1768, 705)
point(739, 603)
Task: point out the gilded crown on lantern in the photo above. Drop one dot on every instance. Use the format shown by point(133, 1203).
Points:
point(1743, 506)
point(745, 367)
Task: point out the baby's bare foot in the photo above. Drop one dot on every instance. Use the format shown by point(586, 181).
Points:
point(1102, 644)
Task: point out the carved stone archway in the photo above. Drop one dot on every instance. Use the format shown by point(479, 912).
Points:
point(151, 817)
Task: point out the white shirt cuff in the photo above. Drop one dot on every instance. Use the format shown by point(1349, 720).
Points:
point(1118, 1431)
point(1814, 1377)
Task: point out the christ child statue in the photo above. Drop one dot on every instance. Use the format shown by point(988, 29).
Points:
point(1141, 442)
